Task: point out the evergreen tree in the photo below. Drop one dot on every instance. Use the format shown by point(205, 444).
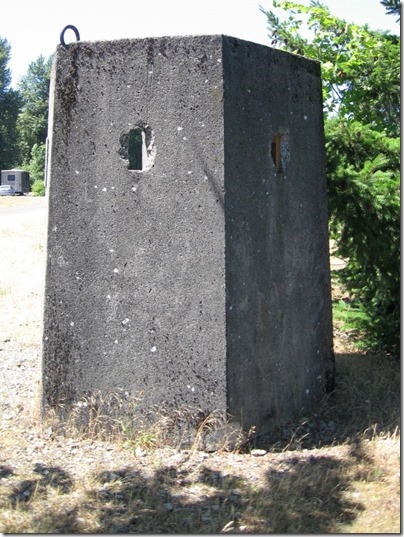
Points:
point(33, 118)
point(9, 108)
point(393, 7)
point(361, 93)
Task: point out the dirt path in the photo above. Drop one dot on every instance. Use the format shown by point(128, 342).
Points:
point(22, 269)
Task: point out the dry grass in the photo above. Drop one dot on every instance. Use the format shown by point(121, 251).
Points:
point(335, 471)
point(7, 202)
point(350, 484)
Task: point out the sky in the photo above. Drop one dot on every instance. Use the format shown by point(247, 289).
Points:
point(33, 28)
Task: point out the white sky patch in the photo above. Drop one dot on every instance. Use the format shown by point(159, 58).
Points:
point(33, 28)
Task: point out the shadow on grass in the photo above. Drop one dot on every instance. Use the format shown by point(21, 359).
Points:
point(365, 403)
point(303, 495)
point(51, 476)
point(302, 492)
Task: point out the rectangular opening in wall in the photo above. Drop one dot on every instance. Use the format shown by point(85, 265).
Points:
point(276, 152)
point(135, 149)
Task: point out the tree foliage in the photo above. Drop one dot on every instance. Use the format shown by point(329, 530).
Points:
point(364, 170)
point(360, 67)
point(24, 116)
point(361, 93)
point(393, 7)
point(33, 119)
point(9, 108)
point(35, 167)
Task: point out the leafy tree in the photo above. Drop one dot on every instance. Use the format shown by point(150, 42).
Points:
point(361, 93)
point(33, 119)
point(35, 167)
point(360, 67)
point(9, 108)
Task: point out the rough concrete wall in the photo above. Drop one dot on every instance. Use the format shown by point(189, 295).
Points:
point(135, 294)
point(202, 280)
point(277, 277)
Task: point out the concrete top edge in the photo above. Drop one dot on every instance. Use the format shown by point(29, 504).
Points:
point(185, 37)
point(165, 37)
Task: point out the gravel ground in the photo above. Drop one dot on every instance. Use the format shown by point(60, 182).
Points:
point(22, 263)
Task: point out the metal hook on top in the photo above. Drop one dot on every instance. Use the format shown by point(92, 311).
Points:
point(69, 27)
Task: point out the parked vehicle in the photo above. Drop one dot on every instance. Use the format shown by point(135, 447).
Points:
point(18, 179)
point(6, 190)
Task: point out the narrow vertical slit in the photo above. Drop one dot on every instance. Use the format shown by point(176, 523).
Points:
point(135, 149)
point(276, 152)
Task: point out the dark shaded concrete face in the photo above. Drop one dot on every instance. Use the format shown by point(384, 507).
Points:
point(279, 328)
point(187, 240)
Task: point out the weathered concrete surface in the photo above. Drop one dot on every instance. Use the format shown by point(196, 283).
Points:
point(202, 280)
point(279, 327)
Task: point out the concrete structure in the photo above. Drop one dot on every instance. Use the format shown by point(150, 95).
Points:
point(188, 240)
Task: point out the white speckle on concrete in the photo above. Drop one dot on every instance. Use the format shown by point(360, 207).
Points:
point(134, 188)
point(116, 270)
point(77, 172)
point(116, 341)
point(108, 297)
point(153, 349)
point(71, 323)
point(125, 321)
point(307, 391)
point(104, 189)
point(179, 128)
point(184, 138)
point(95, 186)
point(305, 117)
point(111, 250)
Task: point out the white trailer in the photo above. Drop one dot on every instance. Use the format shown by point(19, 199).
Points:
point(18, 179)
